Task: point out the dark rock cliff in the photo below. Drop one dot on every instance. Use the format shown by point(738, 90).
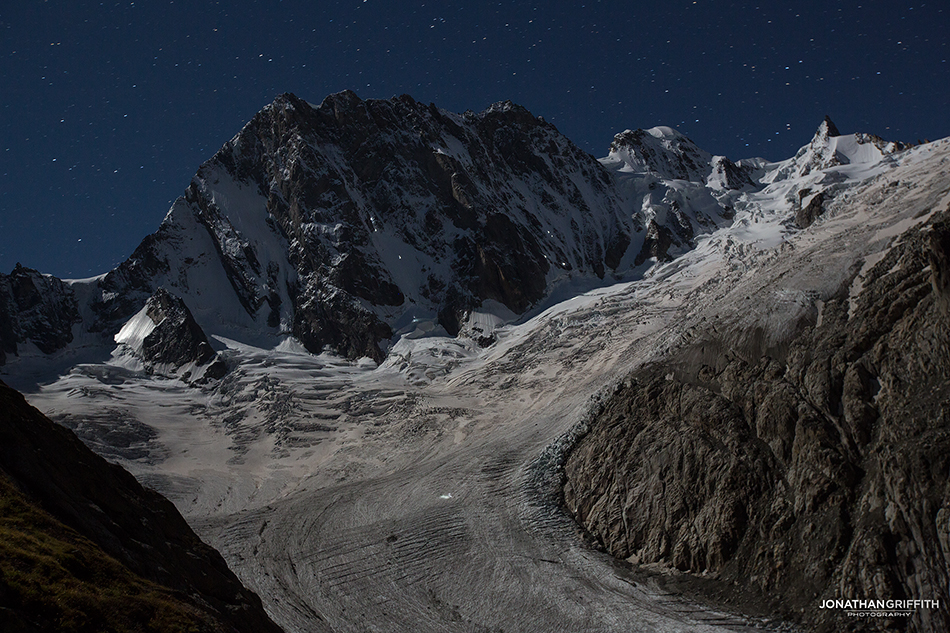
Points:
point(177, 339)
point(469, 192)
point(103, 503)
point(821, 475)
point(35, 308)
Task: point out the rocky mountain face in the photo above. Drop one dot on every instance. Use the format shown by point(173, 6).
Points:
point(68, 511)
point(37, 309)
point(346, 224)
point(817, 474)
point(333, 223)
point(165, 337)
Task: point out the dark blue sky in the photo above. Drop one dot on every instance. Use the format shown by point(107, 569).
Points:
point(108, 108)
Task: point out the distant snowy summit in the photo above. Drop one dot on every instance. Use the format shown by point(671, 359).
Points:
point(829, 148)
point(672, 156)
point(349, 224)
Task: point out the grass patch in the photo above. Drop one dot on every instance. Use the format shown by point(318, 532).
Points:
point(54, 579)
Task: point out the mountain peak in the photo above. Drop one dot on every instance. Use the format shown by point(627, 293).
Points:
point(286, 101)
point(505, 106)
point(661, 136)
point(666, 133)
point(342, 98)
point(510, 112)
point(336, 223)
point(663, 151)
point(828, 128)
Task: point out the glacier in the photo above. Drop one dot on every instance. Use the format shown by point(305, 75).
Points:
point(410, 481)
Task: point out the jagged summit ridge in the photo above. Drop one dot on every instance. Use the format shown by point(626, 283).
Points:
point(829, 148)
point(333, 222)
point(348, 224)
point(828, 128)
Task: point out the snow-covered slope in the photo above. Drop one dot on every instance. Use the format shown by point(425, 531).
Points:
point(672, 190)
point(829, 148)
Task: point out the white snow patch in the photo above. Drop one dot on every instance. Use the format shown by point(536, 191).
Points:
point(135, 330)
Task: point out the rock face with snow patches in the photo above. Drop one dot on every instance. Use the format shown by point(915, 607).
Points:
point(812, 474)
point(341, 223)
point(37, 309)
point(350, 224)
point(166, 339)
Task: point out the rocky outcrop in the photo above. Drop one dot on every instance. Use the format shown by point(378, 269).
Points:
point(939, 254)
point(824, 474)
point(98, 506)
point(35, 308)
point(177, 339)
point(166, 338)
point(807, 212)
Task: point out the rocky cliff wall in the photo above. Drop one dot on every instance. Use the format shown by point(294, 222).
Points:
point(824, 474)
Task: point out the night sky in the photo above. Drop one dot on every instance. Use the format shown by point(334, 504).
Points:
point(109, 108)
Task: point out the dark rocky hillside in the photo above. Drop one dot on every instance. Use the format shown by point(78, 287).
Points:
point(822, 474)
point(86, 548)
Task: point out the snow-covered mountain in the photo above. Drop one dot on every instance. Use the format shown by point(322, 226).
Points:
point(353, 223)
point(347, 223)
point(420, 490)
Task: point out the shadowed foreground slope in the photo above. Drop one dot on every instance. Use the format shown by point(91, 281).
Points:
point(84, 547)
